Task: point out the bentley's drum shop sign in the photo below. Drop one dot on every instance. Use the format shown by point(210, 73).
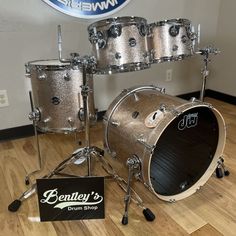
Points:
point(71, 198)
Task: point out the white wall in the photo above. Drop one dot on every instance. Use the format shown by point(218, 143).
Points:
point(28, 32)
point(223, 78)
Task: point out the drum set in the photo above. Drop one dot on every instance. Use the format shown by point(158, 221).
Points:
point(171, 145)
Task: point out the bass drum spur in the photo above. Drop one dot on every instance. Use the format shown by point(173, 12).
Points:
point(171, 40)
point(58, 102)
point(178, 142)
point(120, 44)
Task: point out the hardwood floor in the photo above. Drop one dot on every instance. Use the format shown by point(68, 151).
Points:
point(210, 211)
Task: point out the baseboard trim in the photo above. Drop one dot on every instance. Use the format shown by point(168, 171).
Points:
point(212, 94)
point(16, 132)
point(221, 96)
point(188, 96)
point(28, 130)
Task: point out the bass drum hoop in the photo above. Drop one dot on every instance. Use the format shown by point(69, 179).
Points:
point(211, 168)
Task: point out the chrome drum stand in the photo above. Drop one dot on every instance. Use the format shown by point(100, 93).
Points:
point(205, 52)
point(221, 170)
point(34, 116)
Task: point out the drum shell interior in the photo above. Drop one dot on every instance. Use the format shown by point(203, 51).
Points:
point(118, 55)
point(122, 141)
point(56, 89)
point(168, 48)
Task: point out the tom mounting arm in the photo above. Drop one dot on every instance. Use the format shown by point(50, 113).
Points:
point(59, 43)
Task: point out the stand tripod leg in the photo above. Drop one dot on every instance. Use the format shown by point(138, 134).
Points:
point(15, 205)
point(33, 116)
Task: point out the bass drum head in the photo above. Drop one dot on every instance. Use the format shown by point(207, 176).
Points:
point(186, 153)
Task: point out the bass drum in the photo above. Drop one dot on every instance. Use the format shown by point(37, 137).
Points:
point(178, 142)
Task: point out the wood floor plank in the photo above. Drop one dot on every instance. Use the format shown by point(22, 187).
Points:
point(9, 222)
point(211, 213)
point(70, 228)
point(207, 230)
point(183, 215)
point(6, 146)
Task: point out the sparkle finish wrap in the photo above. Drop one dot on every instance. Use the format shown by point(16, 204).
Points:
point(129, 51)
point(167, 47)
point(126, 133)
point(57, 95)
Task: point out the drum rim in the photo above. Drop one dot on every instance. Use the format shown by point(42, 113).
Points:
point(128, 67)
point(33, 64)
point(171, 58)
point(124, 20)
point(147, 157)
point(179, 21)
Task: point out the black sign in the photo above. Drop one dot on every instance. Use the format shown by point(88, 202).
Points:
point(71, 198)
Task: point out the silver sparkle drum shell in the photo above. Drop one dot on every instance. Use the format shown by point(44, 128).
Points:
point(56, 89)
point(171, 40)
point(120, 44)
point(179, 152)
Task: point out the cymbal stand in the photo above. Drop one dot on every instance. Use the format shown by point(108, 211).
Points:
point(221, 170)
point(34, 116)
point(205, 52)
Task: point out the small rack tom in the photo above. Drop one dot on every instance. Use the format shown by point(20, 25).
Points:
point(171, 40)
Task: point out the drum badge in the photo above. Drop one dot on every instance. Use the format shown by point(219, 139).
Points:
point(188, 121)
point(87, 8)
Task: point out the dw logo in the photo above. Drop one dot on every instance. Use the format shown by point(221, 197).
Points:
point(188, 121)
point(87, 8)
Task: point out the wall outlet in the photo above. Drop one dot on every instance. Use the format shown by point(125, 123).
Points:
point(3, 98)
point(168, 75)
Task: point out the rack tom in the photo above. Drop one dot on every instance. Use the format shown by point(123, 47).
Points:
point(58, 103)
point(120, 44)
point(171, 40)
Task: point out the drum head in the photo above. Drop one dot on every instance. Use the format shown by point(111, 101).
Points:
point(184, 151)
